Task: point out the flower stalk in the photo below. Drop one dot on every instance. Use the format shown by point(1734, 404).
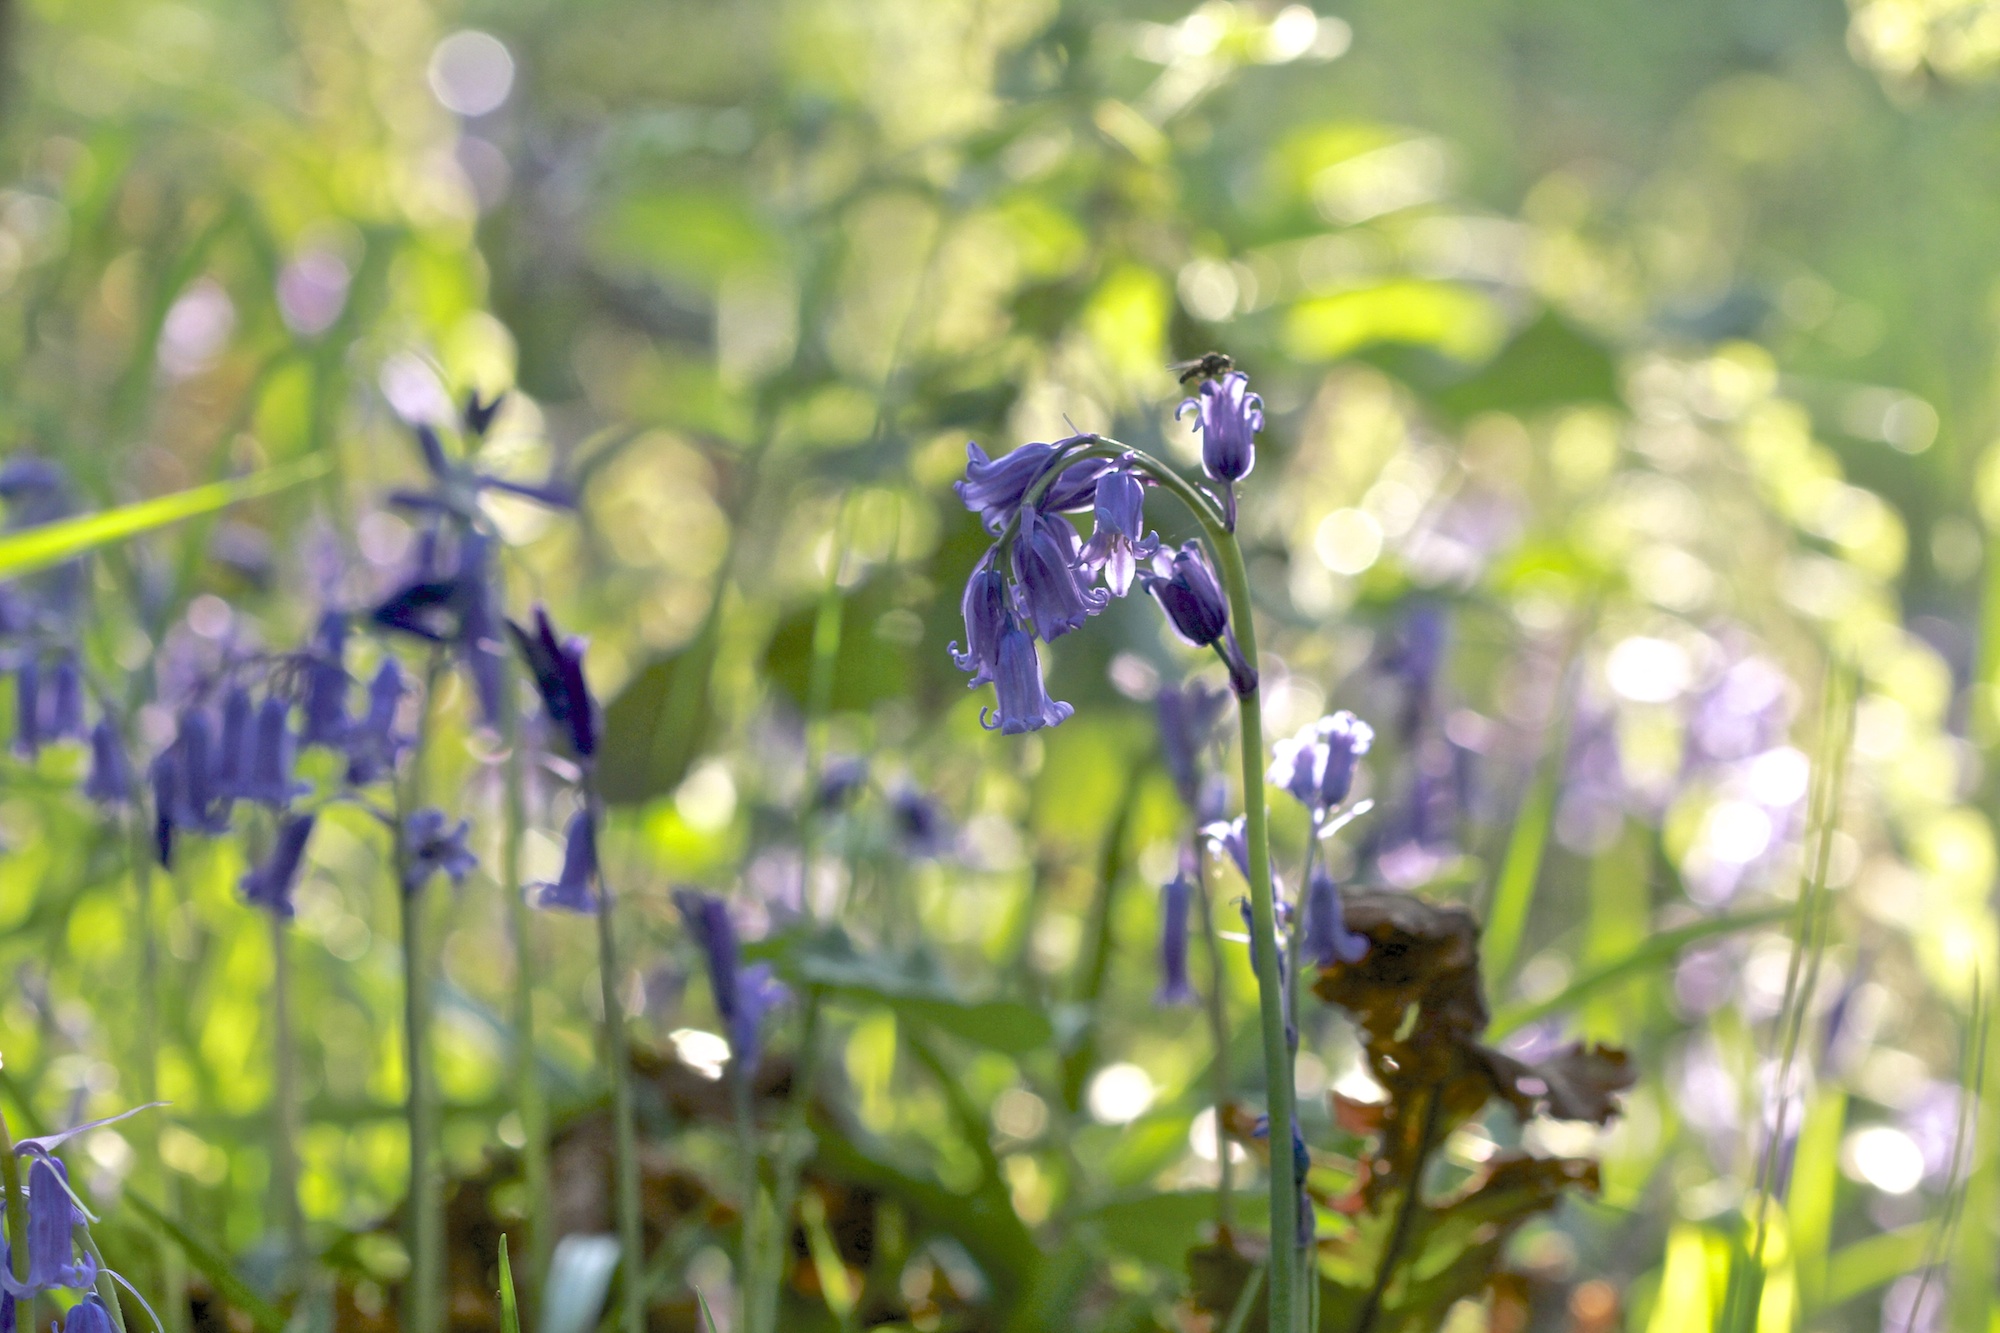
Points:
point(424, 1225)
point(631, 1239)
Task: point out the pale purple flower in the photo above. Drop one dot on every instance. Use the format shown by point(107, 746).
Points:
point(994, 488)
point(1051, 588)
point(1187, 717)
point(1230, 417)
point(987, 615)
point(432, 843)
point(109, 781)
point(269, 884)
point(1317, 765)
point(1024, 702)
point(1174, 898)
point(1327, 939)
point(1185, 586)
point(572, 890)
point(1119, 541)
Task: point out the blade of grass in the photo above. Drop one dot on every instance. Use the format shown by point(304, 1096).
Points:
point(36, 548)
point(1240, 1316)
point(707, 1315)
point(510, 1312)
point(1655, 950)
point(264, 1316)
point(1521, 867)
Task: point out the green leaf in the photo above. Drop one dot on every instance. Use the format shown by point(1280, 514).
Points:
point(1549, 362)
point(656, 727)
point(916, 993)
point(36, 548)
point(1156, 1229)
point(1656, 949)
point(510, 1313)
point(213, 1266)
point(708, 1315)
point(873, 659)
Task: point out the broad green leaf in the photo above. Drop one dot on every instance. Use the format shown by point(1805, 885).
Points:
point(36, 548)
point(1154, 1228)
point(1656, 950)
point(655, 728)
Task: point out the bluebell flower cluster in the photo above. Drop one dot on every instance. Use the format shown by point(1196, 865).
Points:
point(1317, 766)
point(1039, 579)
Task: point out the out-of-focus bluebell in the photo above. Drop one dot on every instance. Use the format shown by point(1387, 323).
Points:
point(326, 682)
point(1747, 711)
point(557, 666)
point(994, 488)
point(479, 412)
point(1175, 896)
point(921, 828)
point(840, 782)
point(269, 777)
point(449, 598)
point(1187, 590)
point(62, 700)
point(88, 1316)
point(988, 615)
point(1327, 939)
point(573, 889)
point(742, 995)
point(455, 486)
point(233, 750)
point(1119, 540)
point(202, 807)
point(1051, 589)
point(1230, 417)
point(36, 492)
point(28, 709)
point(1414, 657)
point(269, 884)
point(373, 744)
point(1187, 717)
point(432, 843)
point(109, 781)
point(1024, 702)
point(1317, 765)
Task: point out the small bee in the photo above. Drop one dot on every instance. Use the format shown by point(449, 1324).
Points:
point(1210, 367)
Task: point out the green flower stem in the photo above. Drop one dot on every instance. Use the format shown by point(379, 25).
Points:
point(173, 1265)
point(1218, 1036)
point(424, 1207)
point(746, 1144)
point(631, 1240)
point(1228, 555)
point(529, 1103)
point(17, 1203)
point(285, 1108)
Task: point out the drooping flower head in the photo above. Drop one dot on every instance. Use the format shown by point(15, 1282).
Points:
point(1175, 896)
point(994, 488)
point(453, 602)
point(1327, 940)
point(1317, 765)
point(987, 615)
point(1024, 701)
point(573, 889)
point(432, 843)
point(268, 769)
point(88, 1316)
point(269, 884)
point(557, 665)
point(373, 744)
point(326, 683)
point(743, 995)
point(1185, 586)
point(1230, 417)
point(109, 781)
point(1051, 587)
point(921, 828)
point(1119, 540)
point(53, 1260)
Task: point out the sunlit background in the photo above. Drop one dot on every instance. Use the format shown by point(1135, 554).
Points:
point(1637, 359)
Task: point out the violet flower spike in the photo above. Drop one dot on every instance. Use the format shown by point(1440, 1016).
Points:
point(109, 781)
point(1185, 586)
point(987, 616)
point(432, 843)
point(557, 666)
point(326, 683)
point(1328, 941)
point(1118, 541)
point(1051, 589)
point(269, 884)
point(1024, 702)
point(572, 891)
point(1175, 988)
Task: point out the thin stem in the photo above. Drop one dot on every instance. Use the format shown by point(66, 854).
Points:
point(16, 1203)
point(173, 1264)
point(1218, 1036)
point(791, 1155)
point(746, 1145)
point(631, 1240)
point(285, 1098)
point(1406, 1211)
point(528, 1100)
point(424, 1225)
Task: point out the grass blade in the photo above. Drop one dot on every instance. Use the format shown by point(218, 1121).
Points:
point(36, 548)
point(1656, 949)
point(1521, 867)
point(707, 1315)
point(510, 1312)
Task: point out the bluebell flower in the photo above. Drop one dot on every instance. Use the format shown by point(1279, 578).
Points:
point(233, 751)
point(994, 488)
point(373, 744)
point(269, 884)
point(572, 890)
point(28, 709)
point(743, 995)
point(557, 666)
point(1230, 417)
point(269, 776)
point(326, 683)
point(456, 486)
point(478, 415)
point(840, 781)
point(1051, 589)
point(165, 778)
point(52, 1219)
point(987, 614)
point(1186, 588)
point(432, 843)
point(1317, 765)
point(1175, 896)
point(1187, 717)
point(920, 825)
point(1327, 939)
point(1414, 658)
point(88, 1316)
point(62, 701)
point(1024, 702)
point(109, 781)
point(202, 806)
point(1119, 541)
